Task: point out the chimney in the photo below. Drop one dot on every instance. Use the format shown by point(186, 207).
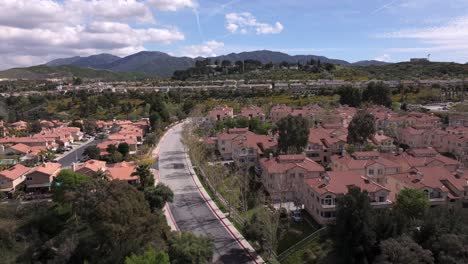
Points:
point(270, 156)
point(326, 179)
point(73, 166)
point(459, 173)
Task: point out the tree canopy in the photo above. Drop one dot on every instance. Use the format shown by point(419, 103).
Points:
point(361, 127)
point(186, 248)
point(293, 134)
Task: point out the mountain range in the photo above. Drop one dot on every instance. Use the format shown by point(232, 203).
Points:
point(160, 64)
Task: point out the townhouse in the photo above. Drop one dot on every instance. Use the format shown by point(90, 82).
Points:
point(220, 112)
point(369, 164)
point(442, 186)
point(243, 146)
point(418, 158)
point(90, 168)
point(283, 176)
point(319, 194)
point(252, 111)
point(279, 111)
point(323, 143)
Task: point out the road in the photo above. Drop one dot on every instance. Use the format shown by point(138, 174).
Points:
point(189, 209)
point(76, 153)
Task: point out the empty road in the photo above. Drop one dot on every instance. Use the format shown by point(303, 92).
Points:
point(189, 209)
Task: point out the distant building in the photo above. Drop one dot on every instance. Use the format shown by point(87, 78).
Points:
point(419, 60)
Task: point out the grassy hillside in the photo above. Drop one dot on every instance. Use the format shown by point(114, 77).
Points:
point(68, 71)
point(408, 70)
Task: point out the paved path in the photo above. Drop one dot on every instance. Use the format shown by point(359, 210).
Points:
point(190, 210)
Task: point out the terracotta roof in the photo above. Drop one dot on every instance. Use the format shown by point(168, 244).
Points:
point(93, 165)
point(14, 172)
point(340, 181)
point(284, 163)
point(22, 148)
point(48, 168)
point(122, 171)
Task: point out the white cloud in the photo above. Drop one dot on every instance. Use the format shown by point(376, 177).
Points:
point(173, 5)
point(384, 57)
point(207, 49)
point(33, 32)
point(244, 23)
point(450, 37)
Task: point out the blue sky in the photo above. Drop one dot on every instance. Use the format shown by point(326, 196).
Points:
point(34, 32)
point(346, 29)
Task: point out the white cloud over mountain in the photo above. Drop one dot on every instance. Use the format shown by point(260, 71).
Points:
point(207, 49)
point(244, 23)
point(33, 32)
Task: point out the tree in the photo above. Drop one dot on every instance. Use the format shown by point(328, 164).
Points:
point(111, 148)
point(117, 222)
point(411, 203)
point(66, 182)
point(361, 128)
point(90, 126)
point(403, 250)
point(187, 248)
point(158, 196)
point(93, 152)
point(146, 176)
point(35, 127)
point(293, 134)
point(123, 148)
point(76, 123)
point(353, 236)
point(377, 93)
point(350, 96)
point(116, 157)
point(77, 81)
point(150, 256)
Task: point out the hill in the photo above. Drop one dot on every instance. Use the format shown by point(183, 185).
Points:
point(266, 56)
point(409, 70)
point(94, 61)
point(151, 62)
point(369, 62)
point(41, 72)
point(161, 64)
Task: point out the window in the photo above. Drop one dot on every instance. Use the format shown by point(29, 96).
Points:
point(380, 171)
point(292, 175)
point(328, 200)
point(371, 172)
point(381, 199)
point(29, 178)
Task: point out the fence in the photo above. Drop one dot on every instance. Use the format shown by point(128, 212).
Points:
point(220, 198)
point(300, 244)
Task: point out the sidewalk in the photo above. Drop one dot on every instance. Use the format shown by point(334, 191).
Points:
point(167, 212)
point(223, 217)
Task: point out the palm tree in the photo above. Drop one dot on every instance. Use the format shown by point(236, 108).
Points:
point(103, 175)
point(146, 176)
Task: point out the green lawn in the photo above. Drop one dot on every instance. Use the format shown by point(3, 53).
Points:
point(296, 232)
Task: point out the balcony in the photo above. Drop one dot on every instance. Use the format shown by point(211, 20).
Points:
point(381, 204)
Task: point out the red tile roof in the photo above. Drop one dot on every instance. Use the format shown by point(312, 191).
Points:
point(340, 181)
point(14, 172)
point(284, 163)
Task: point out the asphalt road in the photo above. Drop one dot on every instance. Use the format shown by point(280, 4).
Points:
point(189, 209)
point(76, 153)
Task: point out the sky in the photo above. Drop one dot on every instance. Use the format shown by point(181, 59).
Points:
point(36, 31)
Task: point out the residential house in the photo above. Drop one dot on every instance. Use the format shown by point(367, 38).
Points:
point(279, 111)
point(40, 178)
point(220, 113)
point(282, 176)
point(319, 194)
point(441, 185)
point(367, 163)
point(12, 177)
point(123, 171)
point(90, 167)
point(252, 112)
